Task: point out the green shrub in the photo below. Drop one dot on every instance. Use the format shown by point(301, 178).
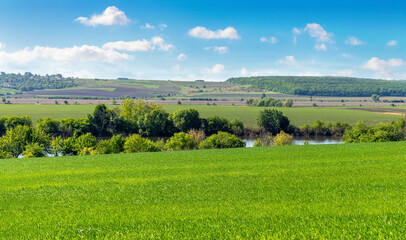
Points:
point(112, 145)
point(222, 140)
point(237, 126)
point(273, 121)
point(282, 139)
point(33, 150)
point(85, 141)
point(181, 141)
point(136, 143)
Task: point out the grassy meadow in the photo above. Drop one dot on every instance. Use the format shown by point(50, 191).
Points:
point(326, 192)
point(298, 116)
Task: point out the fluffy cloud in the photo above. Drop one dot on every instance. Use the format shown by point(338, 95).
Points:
point(77, 53)
point(148, 26)
point(111, 16)
point(353, 41)
point(392, 43)
point(243, 71)
point(383, 68)
point(181, 57)
point(288, 60)
point(202, 32)
point(176, 67)
point(221, 50)
point(218, 68)
point(320, 47)
point(316, 31)
point(140, 45)
point(271, 40)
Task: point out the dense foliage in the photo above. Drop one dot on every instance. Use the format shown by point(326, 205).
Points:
point(325, 86)
point(273, 121)
point(382, 132)
point(29, 81)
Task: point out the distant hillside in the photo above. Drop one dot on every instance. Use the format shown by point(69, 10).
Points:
point(325, 86)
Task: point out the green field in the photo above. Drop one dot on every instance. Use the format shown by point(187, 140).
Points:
point(347, 191)
point(298, 116)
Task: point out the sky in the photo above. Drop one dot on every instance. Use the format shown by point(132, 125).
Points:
point(211, 40)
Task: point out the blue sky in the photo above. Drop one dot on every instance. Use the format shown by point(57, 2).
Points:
point(212, 40)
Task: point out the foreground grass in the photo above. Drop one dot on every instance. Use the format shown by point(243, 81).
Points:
point(329, 192)
point(298, 116)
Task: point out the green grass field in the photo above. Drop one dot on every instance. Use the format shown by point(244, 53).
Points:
point(298, 116)
point(350, 191)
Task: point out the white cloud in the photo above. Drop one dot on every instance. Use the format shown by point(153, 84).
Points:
point(77, 53)
point(111, 16)
point(243, 71)
point(140, 45)
point(392, 43)
point(296, 31)
point(346, 55)
point(288, 60)
point(176, 67)
point(315, 30)
point(321, 47)
point(353, 41)
point(181, 57)
point(383, 68)
point(218, 68)
point(1, 45)
point(202, 32)
point(347, 73)
point(163, 26)
point(148, 26)
point(221, 50)
point(271, 40)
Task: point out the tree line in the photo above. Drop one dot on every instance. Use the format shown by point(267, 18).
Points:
point(29, 81)
point(325, 86)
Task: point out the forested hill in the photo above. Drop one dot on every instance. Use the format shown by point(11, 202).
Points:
point(29, 81)
point(325, 86)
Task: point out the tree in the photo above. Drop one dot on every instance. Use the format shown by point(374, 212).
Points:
point(237, 126)
point(156, 124)
point(84, 141)
point(133, 111)
point(33, 150)
point(102, 120)
point(216, 124)
point(49, 126)
point(288, 103)
point(185, 120)
point(375, 97)
point(273, 121)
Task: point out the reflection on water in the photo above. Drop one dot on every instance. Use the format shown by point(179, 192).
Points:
point(301, 141)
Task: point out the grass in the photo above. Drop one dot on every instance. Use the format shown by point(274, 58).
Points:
point(298, 116)
point(346, 191)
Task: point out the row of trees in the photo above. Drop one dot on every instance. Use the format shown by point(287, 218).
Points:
point(324, 86)
point(29, 81)
point(269, 102)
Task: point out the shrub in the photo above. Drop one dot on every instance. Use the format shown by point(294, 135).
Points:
point(85, 141)
point(88, 151)
point(184, 120)
point(112, 145)
point(222, 140)
point(181, 141)
point(282, 139)
point(33, 150)
point(136, 143)
point(237, 126)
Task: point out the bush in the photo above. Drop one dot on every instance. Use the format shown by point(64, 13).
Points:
point(237, 126)
point(181, 141)
point(282, 139)
point(222, 140)
point(33, 150)
point(88, 151)
point(135, 143)
point(112, 145)
point(85, 141)
point(382, 132)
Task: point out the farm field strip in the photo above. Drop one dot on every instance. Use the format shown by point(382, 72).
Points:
point(325, 192)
